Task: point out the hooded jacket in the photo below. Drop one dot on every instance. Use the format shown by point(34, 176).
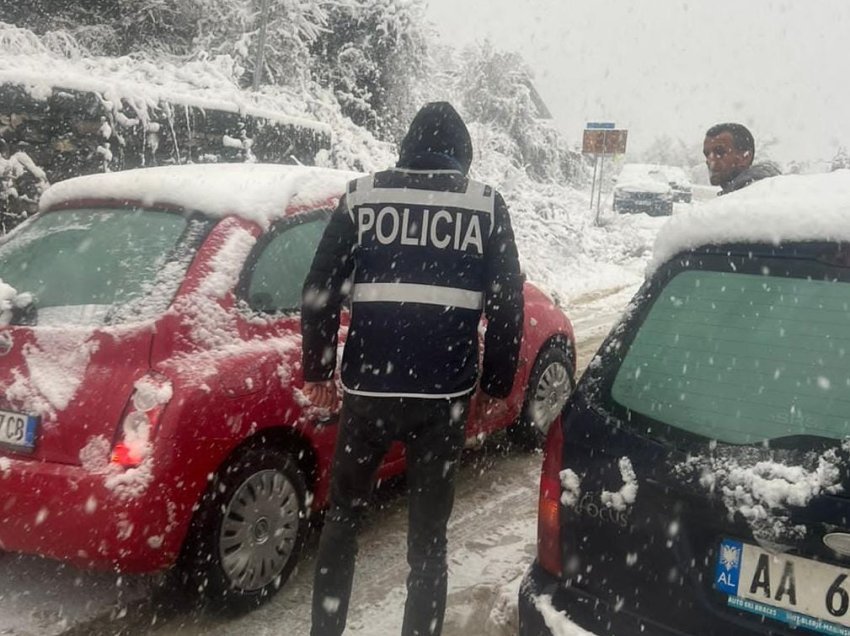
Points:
point(755, 172)
point(426, 249)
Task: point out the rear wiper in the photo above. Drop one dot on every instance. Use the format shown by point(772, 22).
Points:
point(803, 442)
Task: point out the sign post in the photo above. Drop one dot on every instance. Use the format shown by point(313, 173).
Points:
point(601, 139)
point(593, 183)
point(601, 167)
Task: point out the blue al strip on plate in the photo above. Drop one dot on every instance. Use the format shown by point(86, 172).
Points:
point(32, 424)
point(789, 618)
point(728, 570)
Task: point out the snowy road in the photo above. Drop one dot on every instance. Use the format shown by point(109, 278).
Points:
point(491, 538)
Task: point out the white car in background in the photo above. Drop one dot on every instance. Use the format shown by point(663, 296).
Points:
point(642, 187)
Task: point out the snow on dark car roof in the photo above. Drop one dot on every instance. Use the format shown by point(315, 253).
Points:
point(257, 192)
point(782, 209)
point(644, 177)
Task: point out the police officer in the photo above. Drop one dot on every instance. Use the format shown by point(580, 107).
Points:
point(428, 249)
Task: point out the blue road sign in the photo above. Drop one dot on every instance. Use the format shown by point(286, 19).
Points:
point(600, 125)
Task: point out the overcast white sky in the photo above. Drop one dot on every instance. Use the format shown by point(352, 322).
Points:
point(678, 66)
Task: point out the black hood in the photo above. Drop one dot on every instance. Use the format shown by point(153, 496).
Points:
point(437, 140)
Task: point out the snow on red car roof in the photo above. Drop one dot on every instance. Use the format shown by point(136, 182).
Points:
point(782, 209)
point(257, 192)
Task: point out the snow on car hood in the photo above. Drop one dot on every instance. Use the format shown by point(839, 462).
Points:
point(257, 192)
point(781, 209)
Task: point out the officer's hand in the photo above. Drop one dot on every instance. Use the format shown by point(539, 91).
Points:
point(493, 407)
point(321, 394)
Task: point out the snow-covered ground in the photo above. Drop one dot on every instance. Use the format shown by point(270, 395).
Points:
point(492, 537)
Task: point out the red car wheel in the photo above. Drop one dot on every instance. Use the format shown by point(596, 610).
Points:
point(249, 530)
point(550, 384)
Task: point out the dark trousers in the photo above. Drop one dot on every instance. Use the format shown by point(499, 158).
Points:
point(433, 433)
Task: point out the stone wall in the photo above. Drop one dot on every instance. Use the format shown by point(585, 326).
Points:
point(64, 133)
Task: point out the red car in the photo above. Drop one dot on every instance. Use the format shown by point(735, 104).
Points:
point(150, 411)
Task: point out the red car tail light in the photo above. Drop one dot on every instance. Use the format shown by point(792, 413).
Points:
point(150, 395)
point(549, 507)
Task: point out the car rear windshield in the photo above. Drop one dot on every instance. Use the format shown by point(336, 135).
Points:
point(742, 358)
point(96, 266)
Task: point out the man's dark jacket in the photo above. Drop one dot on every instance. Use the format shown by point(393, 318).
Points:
point(428, 249)
point(755, 172)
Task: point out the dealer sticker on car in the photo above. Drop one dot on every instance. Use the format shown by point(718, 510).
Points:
point(17, 431)
point(797, 591)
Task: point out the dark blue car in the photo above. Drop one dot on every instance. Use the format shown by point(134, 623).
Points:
point(698, 482)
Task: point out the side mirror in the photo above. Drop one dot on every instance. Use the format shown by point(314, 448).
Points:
point(26, 315)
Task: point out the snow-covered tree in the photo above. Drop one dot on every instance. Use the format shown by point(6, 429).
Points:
point(370, 57)
point(374, 55)
point(233, 28)
point(841, 160)
point(765, 147)
point(667, 151)
point(495, 89)
point(199, 28)
point(45, 16)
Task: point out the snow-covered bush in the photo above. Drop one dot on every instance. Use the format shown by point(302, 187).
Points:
point(21, 183)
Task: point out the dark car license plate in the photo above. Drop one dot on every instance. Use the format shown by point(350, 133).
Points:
point(799, 592)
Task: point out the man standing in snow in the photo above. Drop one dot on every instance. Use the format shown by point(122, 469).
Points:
point(428, 249)
point(729, 150)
